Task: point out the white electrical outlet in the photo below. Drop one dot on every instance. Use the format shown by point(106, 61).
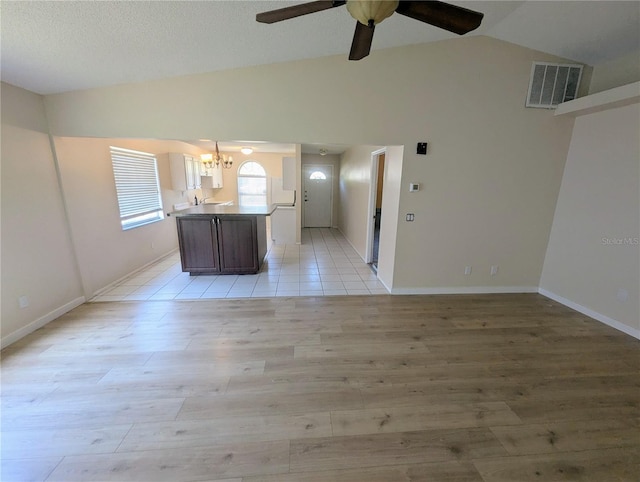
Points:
point(494, 270)
point(467, 270)
point(23, 301)
point(622, 295)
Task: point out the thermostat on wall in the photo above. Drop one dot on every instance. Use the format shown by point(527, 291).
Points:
point(414, 186)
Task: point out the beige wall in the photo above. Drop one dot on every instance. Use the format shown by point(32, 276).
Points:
point(105, 252)
point(355, 201)
point(599, 204)
point(272, 163)
point(621, 71)
point(491, 177)
point(37, 255)
point(355, 188)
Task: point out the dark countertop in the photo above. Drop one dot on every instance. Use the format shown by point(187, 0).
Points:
point(220, 210)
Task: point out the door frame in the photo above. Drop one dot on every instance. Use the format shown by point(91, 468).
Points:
point(373, 188)
point(304, 179)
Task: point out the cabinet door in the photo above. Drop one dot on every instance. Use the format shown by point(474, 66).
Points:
point(197, 171)
point(190, 170)
point(217, 176)
point(237, 242)
point(198, 242)
point(178, 167)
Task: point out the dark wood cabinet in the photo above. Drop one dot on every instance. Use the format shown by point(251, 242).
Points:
point(228, 244)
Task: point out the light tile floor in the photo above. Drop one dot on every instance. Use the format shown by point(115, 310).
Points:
point(324, 264)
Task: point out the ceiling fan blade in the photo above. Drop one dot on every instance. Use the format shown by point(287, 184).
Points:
point(286, 13)
point(362, 38)
point(444, 15)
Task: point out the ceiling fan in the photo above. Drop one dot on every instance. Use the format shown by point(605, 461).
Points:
point(369, 13)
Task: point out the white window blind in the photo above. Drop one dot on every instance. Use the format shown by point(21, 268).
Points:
point(137, 187)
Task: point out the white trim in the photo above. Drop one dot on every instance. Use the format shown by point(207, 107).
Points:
point(385, 285)
point(351, 244)
point(463, 290)
point(373, 189)
point(129, 275)
point(40, 322)
point(600, 101)
point(592, 314)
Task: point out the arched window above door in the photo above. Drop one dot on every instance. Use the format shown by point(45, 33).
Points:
point(317, 175)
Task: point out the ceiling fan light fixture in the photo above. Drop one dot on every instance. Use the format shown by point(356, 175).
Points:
point(367, 11)
point(246, 151)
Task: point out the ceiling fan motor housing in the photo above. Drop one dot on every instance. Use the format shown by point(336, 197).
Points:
point(369, 12)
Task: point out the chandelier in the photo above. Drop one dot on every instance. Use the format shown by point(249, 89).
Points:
point(217, 159)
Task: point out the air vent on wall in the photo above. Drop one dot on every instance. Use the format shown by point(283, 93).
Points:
point(552, 84)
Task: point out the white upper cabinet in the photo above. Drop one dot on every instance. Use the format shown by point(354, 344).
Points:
point(185, 171)
point(212, 178)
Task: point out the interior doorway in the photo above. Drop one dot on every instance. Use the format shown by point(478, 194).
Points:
point(377, 177)
point(318, 195)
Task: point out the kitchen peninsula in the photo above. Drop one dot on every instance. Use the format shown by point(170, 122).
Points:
point(220, 239)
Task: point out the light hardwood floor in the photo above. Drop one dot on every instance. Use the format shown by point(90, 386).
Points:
point(348, 389)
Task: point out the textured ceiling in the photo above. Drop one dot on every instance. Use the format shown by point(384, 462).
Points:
point(58, 46)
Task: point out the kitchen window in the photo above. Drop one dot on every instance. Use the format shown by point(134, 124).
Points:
point(252, 184)
point(137, 187)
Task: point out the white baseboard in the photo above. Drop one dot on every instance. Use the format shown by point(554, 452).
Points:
point(40, 322)
point(592, 314)
point(129, 275)
point(351, 244)
point(464, 290)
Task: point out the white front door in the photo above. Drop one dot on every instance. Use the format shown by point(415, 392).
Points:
point(318, 190)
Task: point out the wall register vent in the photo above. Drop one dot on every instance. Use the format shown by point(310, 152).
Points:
point(552, 84)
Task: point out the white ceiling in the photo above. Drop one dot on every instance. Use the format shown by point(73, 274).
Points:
point(58, 46)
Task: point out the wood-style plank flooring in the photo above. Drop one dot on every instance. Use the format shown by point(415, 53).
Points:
point(347, 389)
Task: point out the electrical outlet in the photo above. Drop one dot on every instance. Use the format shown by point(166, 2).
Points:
point(467, 270)
point(494, 270)
point(23, 301)
point(622, 295)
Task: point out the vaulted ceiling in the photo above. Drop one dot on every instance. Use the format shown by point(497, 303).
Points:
point(51, 47)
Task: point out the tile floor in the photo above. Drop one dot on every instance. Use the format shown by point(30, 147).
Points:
point(324, 264)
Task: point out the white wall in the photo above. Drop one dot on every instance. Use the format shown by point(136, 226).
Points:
point(37, 255)
point(594, 250)
point(491, 176)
